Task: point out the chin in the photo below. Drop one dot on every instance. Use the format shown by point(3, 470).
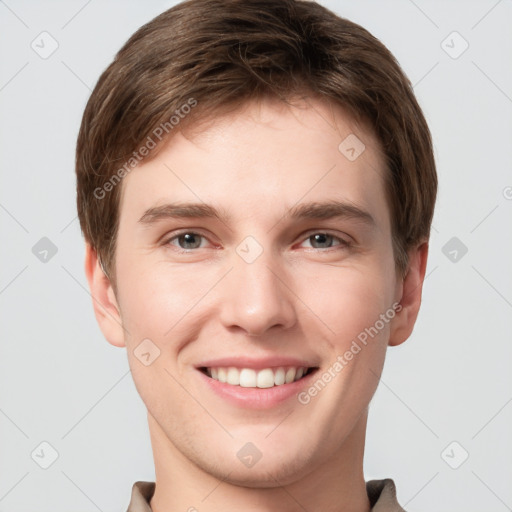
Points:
point(269, 472)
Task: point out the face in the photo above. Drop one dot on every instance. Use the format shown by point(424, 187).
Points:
point(259, 253)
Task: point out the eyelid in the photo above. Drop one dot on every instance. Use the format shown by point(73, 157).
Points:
point(343, 242)
point(169, 237)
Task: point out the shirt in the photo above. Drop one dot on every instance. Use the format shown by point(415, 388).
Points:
point(381, 493)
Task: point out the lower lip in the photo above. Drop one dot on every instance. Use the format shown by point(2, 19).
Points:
point(257, 398)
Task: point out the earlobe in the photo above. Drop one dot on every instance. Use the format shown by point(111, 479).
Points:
point(104, 301)
point(410, 301)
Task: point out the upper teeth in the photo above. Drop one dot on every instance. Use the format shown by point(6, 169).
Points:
point(249, 378)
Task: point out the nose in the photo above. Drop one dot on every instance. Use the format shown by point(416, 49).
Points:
point(257, 297)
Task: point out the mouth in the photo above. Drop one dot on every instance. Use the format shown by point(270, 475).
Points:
point(263, 379)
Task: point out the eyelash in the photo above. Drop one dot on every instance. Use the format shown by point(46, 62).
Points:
point(343, 244)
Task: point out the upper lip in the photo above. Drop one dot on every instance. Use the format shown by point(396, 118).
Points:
point(257, 363)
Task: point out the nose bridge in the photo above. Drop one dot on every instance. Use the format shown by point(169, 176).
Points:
point(256, 298)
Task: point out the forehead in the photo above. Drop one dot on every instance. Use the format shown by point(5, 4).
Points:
point(261, 159)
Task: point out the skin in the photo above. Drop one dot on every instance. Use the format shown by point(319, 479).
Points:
point(299, 298)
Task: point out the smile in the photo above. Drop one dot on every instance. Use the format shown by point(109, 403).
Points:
point(251, 378)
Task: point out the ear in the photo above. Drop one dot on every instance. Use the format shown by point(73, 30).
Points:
point(104, 301)
point(410, 298)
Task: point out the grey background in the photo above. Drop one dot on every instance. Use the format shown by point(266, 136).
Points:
point(62, 383)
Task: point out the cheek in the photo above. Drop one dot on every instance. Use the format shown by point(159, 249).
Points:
point(160, 304)
point(161, 301)
point(345, 301)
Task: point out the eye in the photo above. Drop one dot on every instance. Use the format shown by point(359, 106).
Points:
point(187, 240)
point(325, 241)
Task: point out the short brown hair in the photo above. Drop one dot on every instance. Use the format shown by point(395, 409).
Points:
point(216, 55)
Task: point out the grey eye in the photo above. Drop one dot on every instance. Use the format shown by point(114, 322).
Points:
point(322, 239)
point(189, 240)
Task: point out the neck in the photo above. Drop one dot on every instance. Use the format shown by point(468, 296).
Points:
point(337, 485)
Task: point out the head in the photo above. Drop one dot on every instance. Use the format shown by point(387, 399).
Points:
point(255, 180)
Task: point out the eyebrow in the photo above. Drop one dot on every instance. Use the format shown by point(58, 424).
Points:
point(313, 210)
point(329, 210)
point(179, 211)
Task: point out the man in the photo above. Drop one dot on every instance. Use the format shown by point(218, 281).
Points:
point(256, 186)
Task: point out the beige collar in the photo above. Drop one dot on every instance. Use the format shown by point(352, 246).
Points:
point(382, 495)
